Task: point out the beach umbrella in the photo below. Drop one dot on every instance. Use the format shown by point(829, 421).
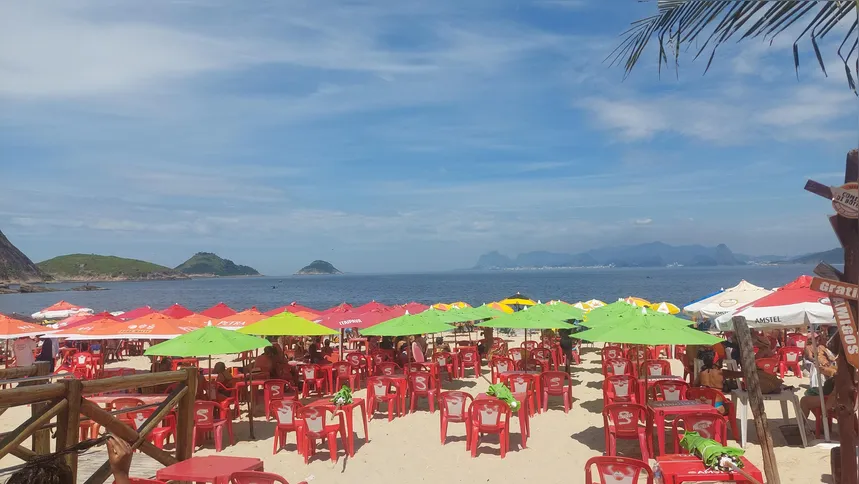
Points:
point(219, 311)
point(240, 320)
point(200, 320)
point(286, 324)
point(525, 320)
point(422, 323)
point(292, 307)
point(794, 304)
point(648, 328)
point(60, 310)
point(136, 313)
point(665, 307)
point(441, 306)
point(621, 312)
point(594, 303)
point(12, 328)
point(207, 341)
point(518, 300)
point(177, 311)
point(371, 306)
point(472, 314)
point(726, 300)
point(340, 308)
point(153, 326)
point(459, 305)
point(414, 307)
point(356, 320)
point(83, 318)
point(638, 301)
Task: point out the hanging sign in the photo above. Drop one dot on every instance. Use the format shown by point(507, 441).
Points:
point(845, 199)
point(846, 329)
point(835, 288)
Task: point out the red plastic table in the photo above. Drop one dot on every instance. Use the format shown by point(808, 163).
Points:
point(538, 384)
point(659, 410)
point(679, 468)
point(521, 414)
point(253, 385)
point(642, 391)
point(348, 411)
point(213, 468)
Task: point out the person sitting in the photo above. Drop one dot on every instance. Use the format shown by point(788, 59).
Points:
point(265, 363)
point(224, 376)
point(298, 351)
point(811, 401)
point(711, 376)
point(314, 356)
point(327, 350)
point(825, 358)
point(441, 345)
point(763, 344)
point(387, 343)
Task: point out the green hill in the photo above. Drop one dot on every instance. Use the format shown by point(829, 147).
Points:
point(207, 263)
point(91, 267)
point(834, 256)
point(318, 267)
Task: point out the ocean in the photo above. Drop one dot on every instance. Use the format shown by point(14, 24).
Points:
point(679, 285)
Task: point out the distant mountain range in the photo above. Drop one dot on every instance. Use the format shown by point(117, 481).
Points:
point(654, 254)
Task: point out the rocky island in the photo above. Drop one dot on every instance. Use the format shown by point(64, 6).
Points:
point(318, 267)
point(207, 264)
point(92, 267)
point(15, 267)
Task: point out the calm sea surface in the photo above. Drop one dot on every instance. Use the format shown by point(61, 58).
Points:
point(678, 285)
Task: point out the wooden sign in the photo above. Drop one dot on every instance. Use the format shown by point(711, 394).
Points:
point(835, 288)
point(846, 329)
point(845, 200)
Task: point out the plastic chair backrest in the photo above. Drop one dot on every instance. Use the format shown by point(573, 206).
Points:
point(516, 354)
point(84, 358)
point(520, 383)
point(455, 403)
point(541, 354)
point(354, 358)
point(503, 365)
point(555, 381)
point(487, 413)
point(417, 367)
point(285, 411)
point(420, 381)
point(388, 368)
point(657, 368)
point(441, 358)
point(705, 395)
point(255, 477)
point(620, 388)
point(313, 418)
point(671, 390)
point(309, 371)
point(618, 366)
point(639, 353)
point(275, 388)
point(342, 368)
point(617, 470)
point(126, 402)
point(204, 412)
point(708, 425)
point(381, 386)
point(769, 365)
point(611, 352)
point(468, 355)
point(624, 417)
point(379, 358)
point(790, 354)
point(529, 345)
point(798, 340)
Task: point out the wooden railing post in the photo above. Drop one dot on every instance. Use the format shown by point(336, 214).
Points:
point(68, 423)
point(41, 438)
point(185, 423)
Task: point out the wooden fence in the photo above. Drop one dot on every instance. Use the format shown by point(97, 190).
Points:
point(66, 400)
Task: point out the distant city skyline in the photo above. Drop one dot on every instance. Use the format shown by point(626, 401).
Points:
point(410, 136)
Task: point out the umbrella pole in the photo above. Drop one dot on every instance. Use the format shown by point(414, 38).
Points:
point(250, 404)
point(6, 354)
point(342, 335)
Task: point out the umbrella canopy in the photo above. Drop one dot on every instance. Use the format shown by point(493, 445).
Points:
point(219, 311)
point(60, 310)
point(207, 341)
point(727, 300)
point(340, 308)
point(200, 320)
point(360, 321)
point(429, 321)
point(459, 305)
point(794, 304)
point(648, 328)
point(518, 300)
point(479, 313)
point(371, 306)
point(81, 319)
point(286, 324)
point(638, 301)
point(177, 311)
point(13, 328)
point(154, 326)
point(240, 320)
point(620, 313)
point(531, 319)
point(292, 307)
point(665, 307)
point(414, 307)
point(137, 313)
point(501, 307)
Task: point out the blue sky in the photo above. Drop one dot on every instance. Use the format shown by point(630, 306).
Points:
point(397, 135)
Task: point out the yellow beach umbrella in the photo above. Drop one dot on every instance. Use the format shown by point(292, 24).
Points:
point(518, 300)
point(665, 307)
point(459, 305)
point(640, 302)
point(441, 306)
point(501, 307)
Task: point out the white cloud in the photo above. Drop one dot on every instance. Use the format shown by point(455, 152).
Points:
point(643, 221)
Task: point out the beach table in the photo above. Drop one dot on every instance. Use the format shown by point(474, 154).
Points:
point(327, 368)
point(538, 384)
point(348, 411)
point(642, 391)
point(521, 414)
point(679, 468)
point(213, 468)
point(401, 382)
point(740, 399)
point(677, 408)
point(107, 400)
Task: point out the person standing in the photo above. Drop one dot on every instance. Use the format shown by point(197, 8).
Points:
point(23, 349)
point(566, 344)
point(49, 352)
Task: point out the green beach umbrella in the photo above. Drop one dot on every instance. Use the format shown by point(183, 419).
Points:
point(287, 324)
point(647, 329)
point(429, 321)
point(621, 313)
point(207, 341)
point(461, 315)
point(531, 318)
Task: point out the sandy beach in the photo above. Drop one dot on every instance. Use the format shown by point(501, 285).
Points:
point(407, 449)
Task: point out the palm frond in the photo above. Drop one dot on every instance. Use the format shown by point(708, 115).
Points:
point(708, 24)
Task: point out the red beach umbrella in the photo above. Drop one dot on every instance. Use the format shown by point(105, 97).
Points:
point(219, 311)
point(137, 313)
point(177, 311)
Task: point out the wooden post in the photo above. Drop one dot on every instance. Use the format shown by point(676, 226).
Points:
point(755, 400)
point(41, 438)
point(68, 423)
point(185, 422)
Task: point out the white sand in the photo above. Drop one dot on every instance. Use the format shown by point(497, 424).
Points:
point(407, 450)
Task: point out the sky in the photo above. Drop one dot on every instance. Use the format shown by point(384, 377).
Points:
point(397, 136)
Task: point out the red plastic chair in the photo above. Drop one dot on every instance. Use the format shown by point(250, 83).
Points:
point(543, 358)
point(708, 425)
point(285, 413)
point(228, 405)
point(444, 360)
point(206, 421)
point(617, 366)
point(529, 345)
point(500, 365)
point(122, 404)
point(620, 389)
point(627, 421)
point(518, 355)
point(184, 363)
point(617, 470)
point(656, 368)
point(798, 340)
point(670, 390)
point(348, 373)
point(560, 384)
point(469, 357)
point(611, 352)
point(489, 416)
point(315, 427)
point(313, 378)
point(159, 435)
point(255, 477)
point(358, 360)
point(388, 368)
point(679, 352)
point(273, 390)
point(379, 391)
point(421, 384)
point(769, 365)
point(527, 385)
point(790, 358)
point(639, 353)
point(710, 396)
point(453, 407)
point(659, 350)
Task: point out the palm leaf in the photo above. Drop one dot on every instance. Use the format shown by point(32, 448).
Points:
point(708, 24)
